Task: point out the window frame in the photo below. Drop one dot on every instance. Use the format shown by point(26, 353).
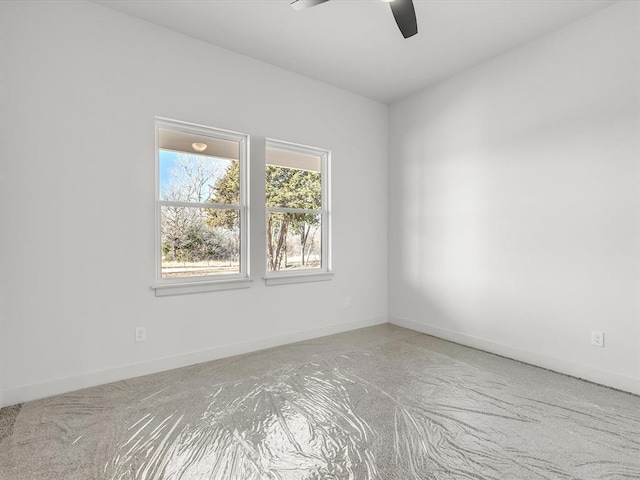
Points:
point(211, 282)
point(324, 272)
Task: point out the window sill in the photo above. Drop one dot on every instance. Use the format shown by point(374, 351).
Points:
point(166, 289)
point(285, 279)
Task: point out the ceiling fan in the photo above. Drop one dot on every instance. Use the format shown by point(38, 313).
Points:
point(403, 12)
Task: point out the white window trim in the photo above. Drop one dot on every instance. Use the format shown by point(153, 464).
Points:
point(204, 283)
point(323, 273)
point(286, 278)
point(200, 287)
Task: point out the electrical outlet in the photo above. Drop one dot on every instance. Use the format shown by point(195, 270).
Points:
point(347, 302)
point(597, 338)
point(141, 334)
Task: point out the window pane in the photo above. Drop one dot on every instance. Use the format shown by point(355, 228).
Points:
point(187, 177)
point(294, 241)
point(293, 188)
point(179, 140)
point(199, 241)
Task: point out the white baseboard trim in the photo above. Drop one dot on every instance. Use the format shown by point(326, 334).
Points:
point(25, 393)
point(602, 377)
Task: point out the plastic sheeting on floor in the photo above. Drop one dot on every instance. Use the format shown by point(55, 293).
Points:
point(379, 403)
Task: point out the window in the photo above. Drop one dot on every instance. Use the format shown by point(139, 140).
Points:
point(201, 203)
point(297, 207)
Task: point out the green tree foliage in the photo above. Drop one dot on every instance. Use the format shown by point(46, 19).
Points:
point(292, 188)
point(226, 191)
point(285, 187)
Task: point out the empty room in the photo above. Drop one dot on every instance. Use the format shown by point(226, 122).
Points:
point(308, 240)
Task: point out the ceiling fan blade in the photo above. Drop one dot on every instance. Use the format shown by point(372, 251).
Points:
point(405, 16)
point(304, 4)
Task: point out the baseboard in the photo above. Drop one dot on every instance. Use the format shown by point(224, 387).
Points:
point(602, 377)
point(25, 393)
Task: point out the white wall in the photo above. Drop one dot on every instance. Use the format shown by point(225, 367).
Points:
point(514, 195)
point(81, 85)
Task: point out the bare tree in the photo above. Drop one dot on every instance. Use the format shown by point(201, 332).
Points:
point(186, 236)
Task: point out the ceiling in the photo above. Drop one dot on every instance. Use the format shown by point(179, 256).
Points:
point(355, 44)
